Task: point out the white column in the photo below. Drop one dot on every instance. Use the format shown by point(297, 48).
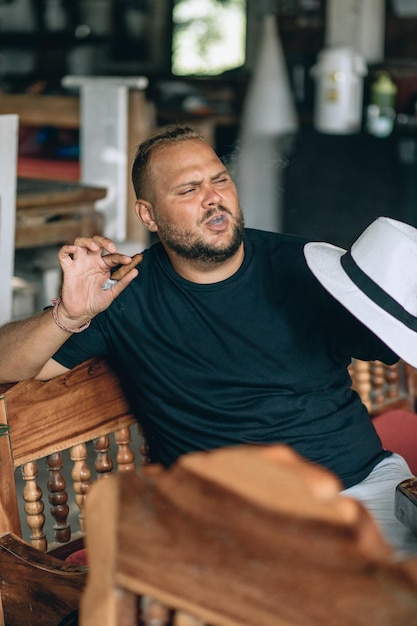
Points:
point(104, 142)
point(8, 171)
point(359, 24)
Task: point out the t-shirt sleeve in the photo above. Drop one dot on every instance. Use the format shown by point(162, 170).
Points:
point(353, 339)
point(80, 347)
point(347, 336)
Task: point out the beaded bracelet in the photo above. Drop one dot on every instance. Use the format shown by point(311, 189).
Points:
point(55, 303)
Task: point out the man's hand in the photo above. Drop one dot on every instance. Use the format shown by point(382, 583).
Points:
point(86, 265)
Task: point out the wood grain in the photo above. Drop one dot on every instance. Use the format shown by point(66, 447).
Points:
point(76, 404)
point(192, 538)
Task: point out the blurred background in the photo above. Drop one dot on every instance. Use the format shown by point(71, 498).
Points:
point(311, 103)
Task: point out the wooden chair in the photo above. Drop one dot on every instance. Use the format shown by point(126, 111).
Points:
point(240, 536)
point(388, 393)
point(383, 387)
point(42, 419)
point(38, 419)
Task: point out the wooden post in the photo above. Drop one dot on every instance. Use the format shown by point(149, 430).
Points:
point(8, 159)
point(112, 124)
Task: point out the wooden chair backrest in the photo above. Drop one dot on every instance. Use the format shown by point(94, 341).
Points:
point(40, 420)
point(383, 387)
point(239, 537)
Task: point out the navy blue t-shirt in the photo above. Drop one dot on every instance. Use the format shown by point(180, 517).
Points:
point(259, 358)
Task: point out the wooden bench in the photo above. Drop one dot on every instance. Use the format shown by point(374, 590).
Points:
point(40, 420)
point(86, 412)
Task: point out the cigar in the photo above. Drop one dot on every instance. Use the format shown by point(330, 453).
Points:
point(122, 271)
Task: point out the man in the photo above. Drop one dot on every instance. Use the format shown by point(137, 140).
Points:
point(223, 335)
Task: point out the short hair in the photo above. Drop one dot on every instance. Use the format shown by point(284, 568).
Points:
point(170, 135)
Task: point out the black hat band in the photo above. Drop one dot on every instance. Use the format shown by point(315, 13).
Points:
point(376, 293)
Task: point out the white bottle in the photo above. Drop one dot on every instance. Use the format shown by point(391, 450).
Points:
point(338, 102)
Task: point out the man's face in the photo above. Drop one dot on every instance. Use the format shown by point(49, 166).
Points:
point(195, 204)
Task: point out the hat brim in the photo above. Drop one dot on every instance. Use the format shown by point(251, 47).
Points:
point(323, 259)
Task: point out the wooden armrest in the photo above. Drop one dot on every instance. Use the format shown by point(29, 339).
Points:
point(28, 576)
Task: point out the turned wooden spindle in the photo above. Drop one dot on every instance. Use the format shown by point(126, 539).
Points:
point(144, 448)
point(154, 613)
point(58, 498)
point(103, 463)
point(392, 378)
point(362, 381)
point(125, 455)
point(185, 619)
point(81, 477)
point(377, 373)
point(33, 506)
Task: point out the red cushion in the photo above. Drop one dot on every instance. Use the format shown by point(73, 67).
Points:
point(78, 558)
point(397, 430)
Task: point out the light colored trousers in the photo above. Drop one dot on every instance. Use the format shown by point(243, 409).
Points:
point(377, 492)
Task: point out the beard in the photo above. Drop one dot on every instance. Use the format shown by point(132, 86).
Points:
point(190, 246)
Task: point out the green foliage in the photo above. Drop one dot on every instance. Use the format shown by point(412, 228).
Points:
point(200, 30)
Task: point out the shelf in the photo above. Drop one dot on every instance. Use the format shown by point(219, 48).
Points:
point(47, 39)
point(48, 169)
point(42, 110)
point(51, 212)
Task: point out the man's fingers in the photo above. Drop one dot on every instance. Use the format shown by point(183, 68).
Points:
point(105, 243)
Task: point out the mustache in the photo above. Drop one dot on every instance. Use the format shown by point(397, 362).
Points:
point(215, 211)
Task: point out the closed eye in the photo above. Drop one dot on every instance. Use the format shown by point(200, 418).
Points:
point(186, 191)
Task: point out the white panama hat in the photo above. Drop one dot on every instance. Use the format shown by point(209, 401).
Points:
point(376, 280)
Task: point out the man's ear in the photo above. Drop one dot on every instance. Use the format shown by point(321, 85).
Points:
point(144, 211)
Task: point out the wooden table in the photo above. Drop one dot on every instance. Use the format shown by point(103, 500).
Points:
point(55, 212)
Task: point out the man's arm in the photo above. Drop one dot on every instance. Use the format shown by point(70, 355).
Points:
point(27, 346)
